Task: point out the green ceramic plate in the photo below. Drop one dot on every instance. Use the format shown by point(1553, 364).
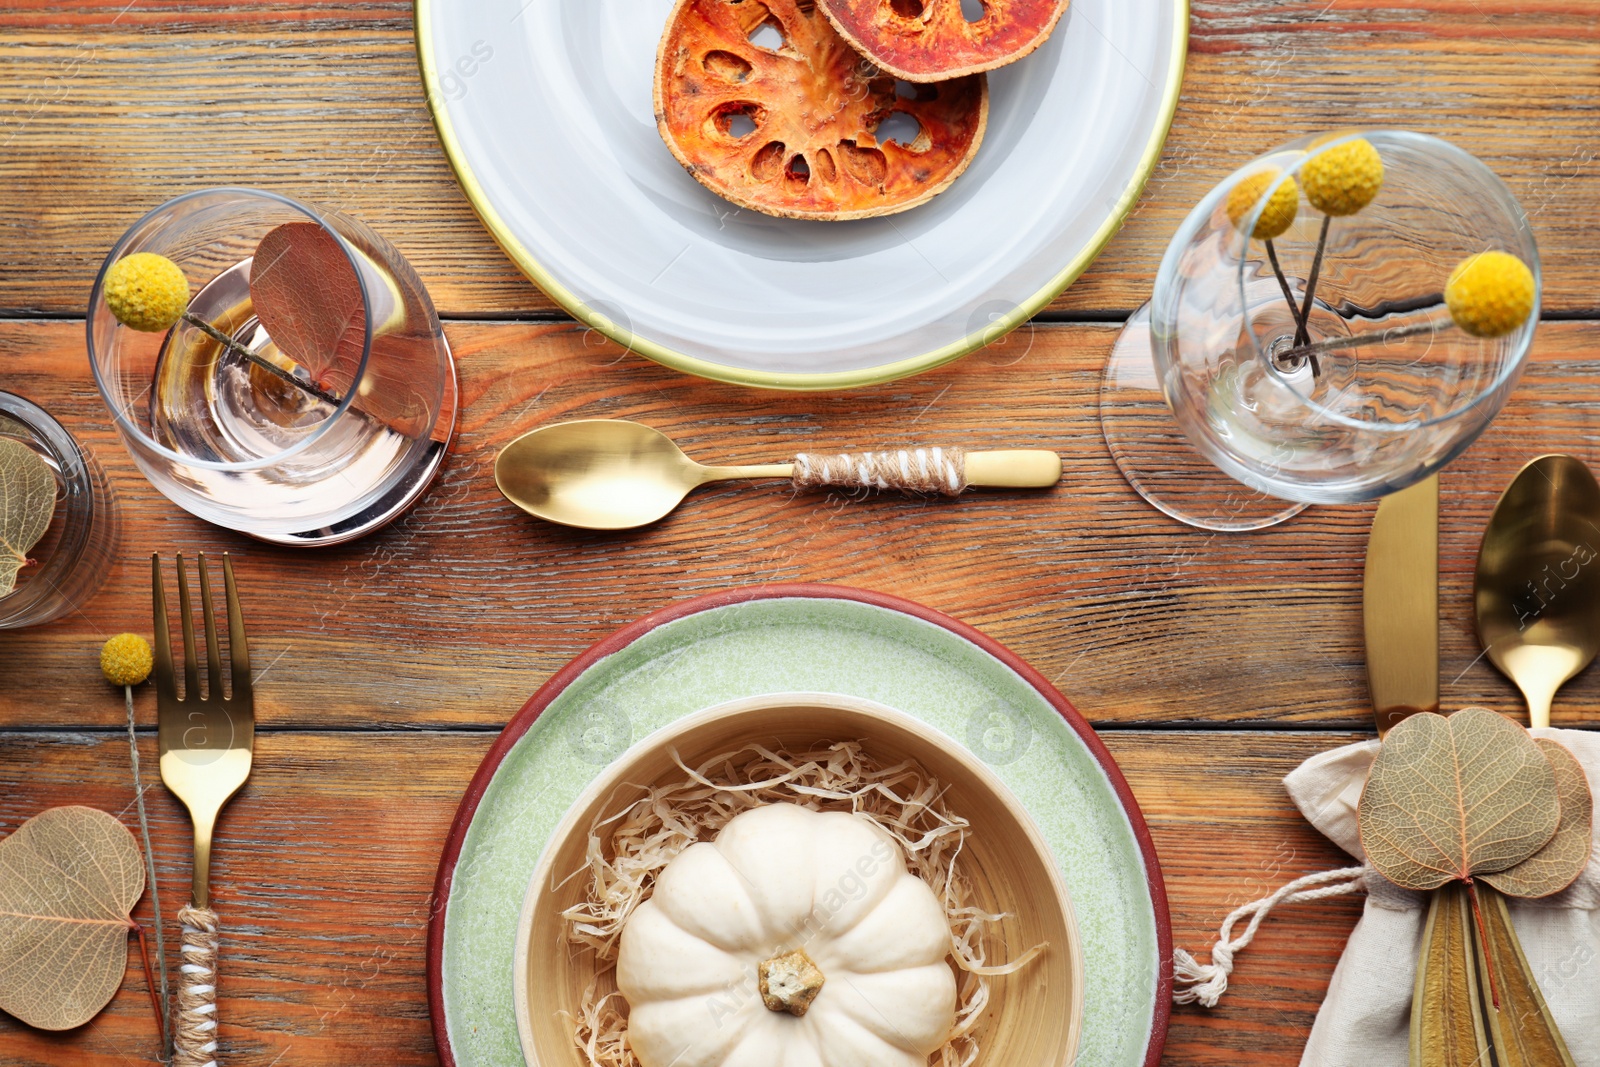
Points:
point(799, 638)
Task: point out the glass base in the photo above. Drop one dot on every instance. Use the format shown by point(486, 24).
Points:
point(1157, 459)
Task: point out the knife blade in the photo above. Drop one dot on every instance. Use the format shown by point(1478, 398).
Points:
point(1400, 604)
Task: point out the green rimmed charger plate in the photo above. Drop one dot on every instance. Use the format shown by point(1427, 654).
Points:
point(798, 638)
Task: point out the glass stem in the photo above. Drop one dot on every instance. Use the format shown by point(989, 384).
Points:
point(271, 368)
point(1302, 331)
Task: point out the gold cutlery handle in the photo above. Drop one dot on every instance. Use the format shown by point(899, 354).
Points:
point(758, 470)
point(1015, 468)
point(1540, 692)
point(201, 886)
point(195, 1033)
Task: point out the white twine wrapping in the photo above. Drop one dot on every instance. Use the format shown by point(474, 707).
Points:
point(1198, 983)
point(195, 1039)
point(912, 470)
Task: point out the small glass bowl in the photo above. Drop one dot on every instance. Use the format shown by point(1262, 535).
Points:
point(274, 455)
point(75, 553)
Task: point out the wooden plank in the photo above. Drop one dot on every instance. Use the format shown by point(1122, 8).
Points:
point(324, 866)
point(459, 611)
point(111, 107)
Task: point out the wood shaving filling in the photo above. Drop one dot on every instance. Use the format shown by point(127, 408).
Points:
point(626, 852)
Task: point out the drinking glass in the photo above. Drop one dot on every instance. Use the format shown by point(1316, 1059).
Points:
point(1216, 422)
point(73, 557)
point(309, 439)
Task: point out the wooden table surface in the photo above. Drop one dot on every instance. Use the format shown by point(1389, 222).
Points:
point(1211, 664)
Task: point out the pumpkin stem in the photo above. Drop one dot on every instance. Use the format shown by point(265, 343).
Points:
point(790, 982)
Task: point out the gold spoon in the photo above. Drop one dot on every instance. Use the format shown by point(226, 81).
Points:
point(612, 474)
point(1537, 588)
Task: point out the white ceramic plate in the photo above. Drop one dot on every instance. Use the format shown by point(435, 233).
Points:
point(544, 108)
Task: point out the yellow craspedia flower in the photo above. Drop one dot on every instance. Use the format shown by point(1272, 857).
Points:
point(146, 292)
point(1278, 212)
point(126, 659)
point(1342, 180)
point(1490, 294)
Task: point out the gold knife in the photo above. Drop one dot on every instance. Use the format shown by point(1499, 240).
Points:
point(1400, 604)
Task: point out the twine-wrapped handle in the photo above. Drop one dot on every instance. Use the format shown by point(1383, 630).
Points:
point(911, 470)
point(195, 1035)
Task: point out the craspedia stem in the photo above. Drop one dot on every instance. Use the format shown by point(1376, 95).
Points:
point(155, 892)
point(1360, 340)
point(1288, 293)
point(1303, 332)
point(240, 350)
point(1294, 310)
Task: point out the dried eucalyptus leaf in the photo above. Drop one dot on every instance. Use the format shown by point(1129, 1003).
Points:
point(27, 502)
point(1521, 1030)
point(68, 879)
point(308, 295)
point(1558, 864)
point(1454, 798)
point(1446, 1024)
point(305, 292)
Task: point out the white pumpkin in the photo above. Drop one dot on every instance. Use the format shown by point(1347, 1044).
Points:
point(795, 939)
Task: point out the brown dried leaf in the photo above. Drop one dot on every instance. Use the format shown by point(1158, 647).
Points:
point(305, 292)
point(1454, 798)
point(1558, 864)
point(68, 879)
point(1521, 1029)
point(27, 502)
point(1446, 1024)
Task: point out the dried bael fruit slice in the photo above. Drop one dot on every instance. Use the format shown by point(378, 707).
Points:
point(931, 40)
point(767, 106)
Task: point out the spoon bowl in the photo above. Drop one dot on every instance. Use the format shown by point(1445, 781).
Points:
point(1537, 587)
point(602, 474)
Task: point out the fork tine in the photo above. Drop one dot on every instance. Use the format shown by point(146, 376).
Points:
point(238, 647)
point(191, 666)
point(213, 652)
point(166, 679)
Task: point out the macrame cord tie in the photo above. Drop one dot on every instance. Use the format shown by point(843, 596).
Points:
point(1204, 984)
point(911, 470)
point(195, 1040)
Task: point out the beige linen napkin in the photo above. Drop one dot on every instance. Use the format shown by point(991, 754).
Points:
point(1365, 1020)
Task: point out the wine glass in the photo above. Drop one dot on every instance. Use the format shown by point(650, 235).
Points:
point(1230, 401)
point(306, 395)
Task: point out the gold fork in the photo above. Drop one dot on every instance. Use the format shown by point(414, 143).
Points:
point(205, 745)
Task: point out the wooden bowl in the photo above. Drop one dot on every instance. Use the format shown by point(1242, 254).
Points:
point(1034, 1017)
